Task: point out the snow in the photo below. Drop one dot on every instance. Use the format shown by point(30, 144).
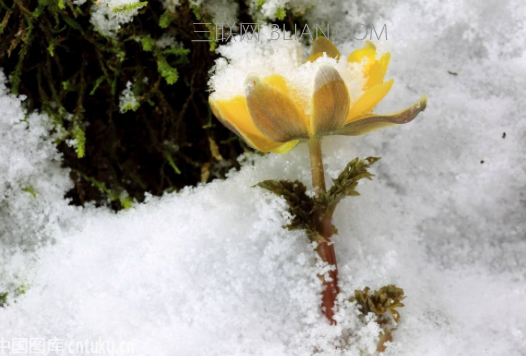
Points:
point(221, 11)
point(128, 100)
point(32, 186)
point(108, 15)
point(273, 54)
point(171, 5)
point(210, 271)
point(269, 9)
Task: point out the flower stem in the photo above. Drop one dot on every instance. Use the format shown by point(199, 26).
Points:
point(323, 223)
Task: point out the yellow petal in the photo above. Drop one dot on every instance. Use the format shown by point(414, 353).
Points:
point(279, 82)
point(234, 115)
point(368, 51)
point(265, 145)
point(377, 71)
point(374, 70)
point(323, 45)
point(330, 101)
point(366, 103)
point(313, 57)
point(272, 109)
point(371, 122)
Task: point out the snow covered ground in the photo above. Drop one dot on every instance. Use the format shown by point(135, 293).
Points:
point(210, 271)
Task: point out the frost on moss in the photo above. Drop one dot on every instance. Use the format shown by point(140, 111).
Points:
point(270, 10)
point(128, 100)
point(109, 15)
point(218, 11)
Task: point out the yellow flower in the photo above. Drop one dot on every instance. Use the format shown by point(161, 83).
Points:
point(271, 118)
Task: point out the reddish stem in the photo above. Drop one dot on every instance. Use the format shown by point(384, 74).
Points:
point(326, 252)
point(323, 224)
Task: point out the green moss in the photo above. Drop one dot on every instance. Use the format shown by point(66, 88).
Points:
point(129, 7)
point(172, 163)
point(130, 106)
point(281, 13)
point(51, 47)
point(166, 19)
point(3, 299)
point(125, 201)
point(148, 44)
point(53, 55)
point(80, 142)
point(169, 73)
point(15, 293)
point(31, 191)
point(97, 83)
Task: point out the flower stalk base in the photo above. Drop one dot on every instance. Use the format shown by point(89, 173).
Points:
point(322, 221)
point(314, 216)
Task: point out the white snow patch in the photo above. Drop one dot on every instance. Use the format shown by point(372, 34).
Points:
point(107, 15)
point(210, 271)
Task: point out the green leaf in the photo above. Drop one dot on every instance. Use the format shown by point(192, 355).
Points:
point(15, 293)
point(129, 7)
point(166, 19)
point(3, 299)
point(148, 44)
point(80, 141)
point(130, 107)
point(51, 47)
point(17, 73)
point(197, 12)
point(3, 24)
point(382, 301)
point(97, 83)
point(72, 23)
point(122, 197)
point(31, 191)
point(280, 14)
point(172, 163)
point(346, 183)
point(300, 204)
point(169, 73)
point(177, 51)
point(126, 202)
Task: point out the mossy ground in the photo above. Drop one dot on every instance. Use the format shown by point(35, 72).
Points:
point(55, 57)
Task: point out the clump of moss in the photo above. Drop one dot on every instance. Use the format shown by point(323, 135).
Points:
point(130, 113)
point(55, 57)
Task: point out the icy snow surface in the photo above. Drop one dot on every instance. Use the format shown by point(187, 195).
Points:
point(209, 271)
